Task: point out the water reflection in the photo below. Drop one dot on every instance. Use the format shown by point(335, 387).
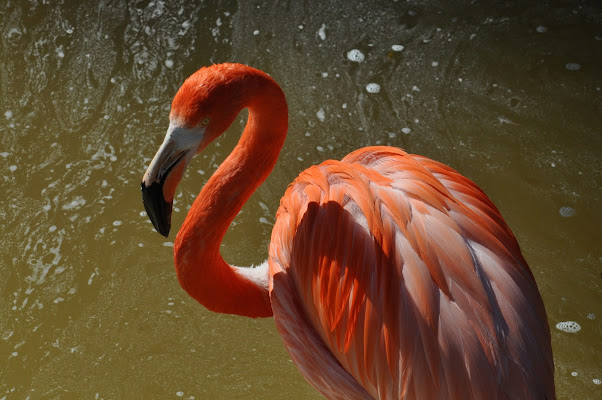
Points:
point(90, 307)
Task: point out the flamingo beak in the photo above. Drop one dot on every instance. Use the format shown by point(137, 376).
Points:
point(157, 194)
point(157, 207)
point(163, 175)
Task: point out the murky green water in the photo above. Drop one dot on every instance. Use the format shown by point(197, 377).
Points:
point(89, 303)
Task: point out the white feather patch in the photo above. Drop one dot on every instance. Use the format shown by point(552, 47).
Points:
point(258, 274)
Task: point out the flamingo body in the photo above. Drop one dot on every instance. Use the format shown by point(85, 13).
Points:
point(390, 276)
point(403, 277)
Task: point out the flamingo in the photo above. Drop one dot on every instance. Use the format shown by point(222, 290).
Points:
point(390, 275)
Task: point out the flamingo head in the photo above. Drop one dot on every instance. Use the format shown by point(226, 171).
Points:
point(202, 109)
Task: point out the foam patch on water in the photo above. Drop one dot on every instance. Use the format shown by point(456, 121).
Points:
point(320, 114)
point(397, 47)
point(106, 151)
point(322, 32)
point(373, 88)
point(567, 212)
point(75, 203)
point(355, 55)
point(573, 66)
point(42, 266)
point(568, 326)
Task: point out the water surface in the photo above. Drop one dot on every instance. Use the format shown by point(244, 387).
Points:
point(89, 303)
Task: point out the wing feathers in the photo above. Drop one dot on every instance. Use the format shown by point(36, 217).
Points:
point(412, 281)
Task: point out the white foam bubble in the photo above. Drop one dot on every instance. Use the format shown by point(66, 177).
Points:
point(596, 381)
point(320, 114)
point(406, 130)
point(12, 168)
point(8, 114)
point(256, 32)
point(102, 153)
point(4, 154)
point(591, 316)
point(397, 47)
point(322, 32)
point(92, 276)
point(355, 55)
point(169, 63)
point(75, 203)
point(567, 212)
point(573, 66)
point(435, 64)
point(13, 31)
point(574, 373)
point(373, 88)
point(568, 326)
point(541, 29)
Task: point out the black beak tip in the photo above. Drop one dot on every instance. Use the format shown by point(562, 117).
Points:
point(157, 209)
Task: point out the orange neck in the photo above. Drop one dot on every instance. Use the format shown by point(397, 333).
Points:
point(201, 270)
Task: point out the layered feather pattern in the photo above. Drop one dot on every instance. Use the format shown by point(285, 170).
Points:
point(410, 282)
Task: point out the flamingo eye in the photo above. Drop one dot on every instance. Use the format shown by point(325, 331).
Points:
point(205, 122)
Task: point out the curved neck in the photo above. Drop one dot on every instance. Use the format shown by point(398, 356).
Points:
point(201, 270)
